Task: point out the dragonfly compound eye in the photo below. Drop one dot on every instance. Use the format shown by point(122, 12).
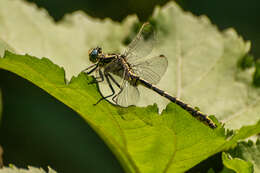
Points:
point(93, 55)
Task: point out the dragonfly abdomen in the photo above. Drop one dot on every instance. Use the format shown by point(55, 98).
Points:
point(195, 113)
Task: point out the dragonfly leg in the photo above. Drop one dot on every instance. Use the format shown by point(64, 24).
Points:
point(94, 67)
point(121, 89)
point(113, 79)
point(117, 84)
point(101, 76)
point(114, 98)
point(86, 69)
point(98, 79)
point(107, 76)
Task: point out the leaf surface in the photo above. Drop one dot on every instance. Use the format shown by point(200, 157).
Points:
point(236, 164)
point(248, 151)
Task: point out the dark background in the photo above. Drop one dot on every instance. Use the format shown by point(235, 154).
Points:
point(38, 130)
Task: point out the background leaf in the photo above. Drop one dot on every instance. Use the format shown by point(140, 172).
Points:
point(236, 164)
point(31, 169)
point(4, 46)
point(248, 151)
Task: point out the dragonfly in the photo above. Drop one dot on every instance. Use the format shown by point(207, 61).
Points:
point(132, 68)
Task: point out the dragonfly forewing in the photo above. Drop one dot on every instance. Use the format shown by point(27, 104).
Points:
point(142, 44)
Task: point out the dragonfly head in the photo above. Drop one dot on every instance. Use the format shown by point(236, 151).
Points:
point(94, 54)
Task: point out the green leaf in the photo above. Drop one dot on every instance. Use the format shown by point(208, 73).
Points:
point(236, 164)
point(202, 70)
point(248, 151)
point(243, 133)
point(139, 137)
point(31, 169)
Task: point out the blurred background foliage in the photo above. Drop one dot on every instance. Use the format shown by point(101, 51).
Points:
point(38, 130)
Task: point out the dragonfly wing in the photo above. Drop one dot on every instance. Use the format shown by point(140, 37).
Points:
point(142, 44)
point(152, 69)
point(129, 95)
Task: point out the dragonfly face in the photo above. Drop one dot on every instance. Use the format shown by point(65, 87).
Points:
point(95, 54)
